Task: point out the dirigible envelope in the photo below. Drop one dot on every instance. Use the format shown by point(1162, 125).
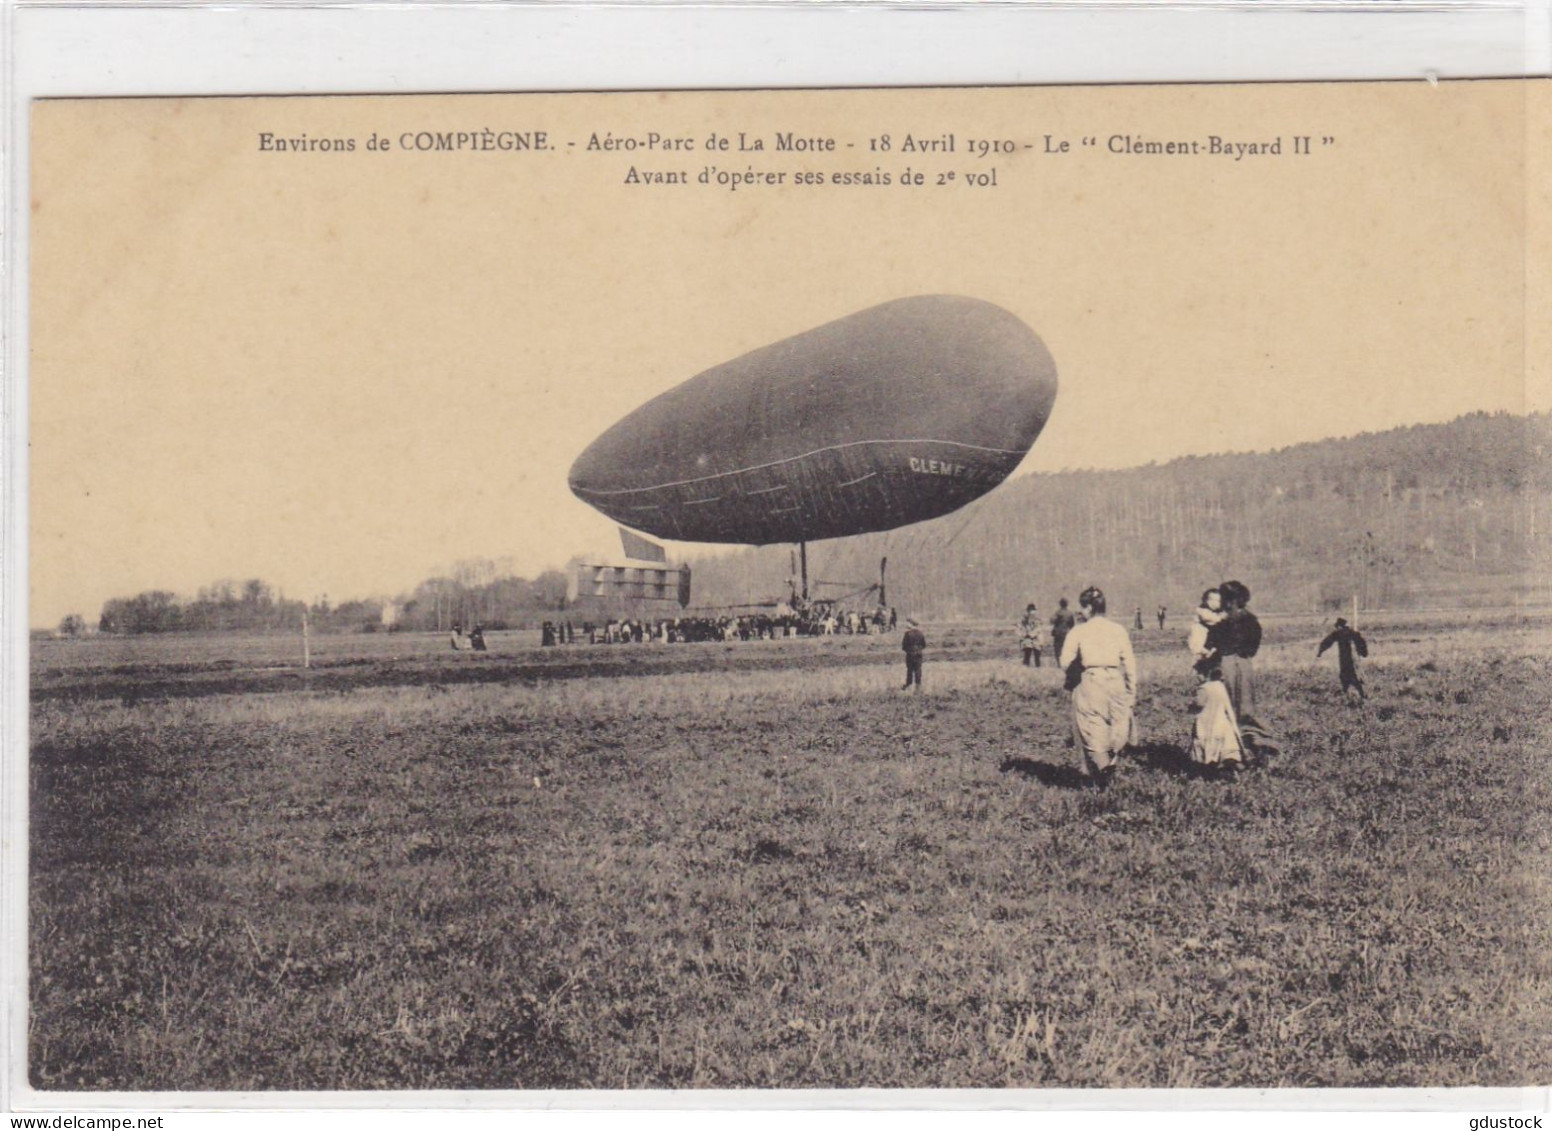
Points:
point(896, 414)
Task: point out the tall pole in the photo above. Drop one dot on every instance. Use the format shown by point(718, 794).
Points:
point(883, 592)
point(803, 559)
point(307, 654)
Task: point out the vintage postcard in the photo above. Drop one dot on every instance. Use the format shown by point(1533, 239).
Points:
point(1026, 588)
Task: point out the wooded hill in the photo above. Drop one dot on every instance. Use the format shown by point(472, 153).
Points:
point(1431, 516)
point(1428, 516)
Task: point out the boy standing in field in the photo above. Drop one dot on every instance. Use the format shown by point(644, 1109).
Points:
point(913, 643)
point(1346, 638)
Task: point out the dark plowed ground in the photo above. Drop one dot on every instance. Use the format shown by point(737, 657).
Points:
point(194, 667)
point(141, 682)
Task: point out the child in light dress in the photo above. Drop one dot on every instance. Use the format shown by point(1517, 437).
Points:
point(1215, 739)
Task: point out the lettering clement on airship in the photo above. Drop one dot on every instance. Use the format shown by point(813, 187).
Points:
point(897, 414)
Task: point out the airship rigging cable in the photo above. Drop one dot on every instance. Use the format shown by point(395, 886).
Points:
point(975, 512)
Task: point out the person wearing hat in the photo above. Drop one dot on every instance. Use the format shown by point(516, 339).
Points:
point(1099, 652)
point(1346, 638)
point(914, 643)
point(1234, 641)
point(1029, 634)
point(1062, 622)
point(1216, 743)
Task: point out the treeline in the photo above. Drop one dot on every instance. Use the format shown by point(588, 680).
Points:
point(1417, 517)
point(230, 606)
point(482, 591)
point(478, 591)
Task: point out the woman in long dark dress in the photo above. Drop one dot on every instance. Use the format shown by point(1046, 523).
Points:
point(1235, 641)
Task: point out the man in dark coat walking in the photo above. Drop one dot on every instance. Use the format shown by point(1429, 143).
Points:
point(914, 643)
point(1346, 638)
point(1061, 624)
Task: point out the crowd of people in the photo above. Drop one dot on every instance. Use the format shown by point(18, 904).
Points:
point(818, 619)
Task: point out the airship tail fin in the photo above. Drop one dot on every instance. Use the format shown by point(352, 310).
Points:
point(641, 549)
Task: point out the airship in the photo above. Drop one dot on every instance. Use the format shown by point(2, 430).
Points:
point(893, 415)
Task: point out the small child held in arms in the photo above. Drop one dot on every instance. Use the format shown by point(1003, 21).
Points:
point(1209, 613)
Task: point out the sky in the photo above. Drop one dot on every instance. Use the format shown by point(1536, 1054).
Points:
point(342, 372)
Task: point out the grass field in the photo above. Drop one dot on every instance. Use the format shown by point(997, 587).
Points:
point(765, 867)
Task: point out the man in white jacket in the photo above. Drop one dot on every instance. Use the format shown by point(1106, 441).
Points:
point(1103, 700)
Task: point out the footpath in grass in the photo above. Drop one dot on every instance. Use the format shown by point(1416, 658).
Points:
point(684, 885)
